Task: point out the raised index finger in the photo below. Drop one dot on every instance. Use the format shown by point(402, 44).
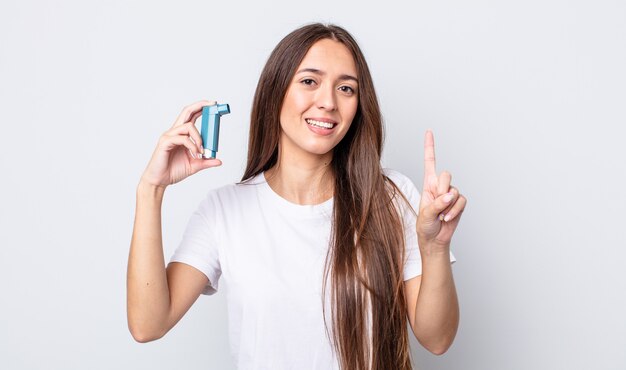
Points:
point(429, 154)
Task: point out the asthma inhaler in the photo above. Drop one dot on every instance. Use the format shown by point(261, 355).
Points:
point(210, 130)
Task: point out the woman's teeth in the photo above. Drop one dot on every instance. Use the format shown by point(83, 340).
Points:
point(319, 123)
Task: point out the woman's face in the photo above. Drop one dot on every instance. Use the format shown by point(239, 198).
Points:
point(320, 102)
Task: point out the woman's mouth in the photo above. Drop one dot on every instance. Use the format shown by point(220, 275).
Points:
point(321, 124)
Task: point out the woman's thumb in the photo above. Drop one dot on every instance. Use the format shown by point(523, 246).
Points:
point(203, 164)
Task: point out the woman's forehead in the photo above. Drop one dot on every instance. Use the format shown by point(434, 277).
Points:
point(329, 56)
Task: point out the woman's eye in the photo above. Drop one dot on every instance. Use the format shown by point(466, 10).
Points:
point(308, 81)
point(347, 89)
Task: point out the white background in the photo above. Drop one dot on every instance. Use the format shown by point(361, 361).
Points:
point(526, 99)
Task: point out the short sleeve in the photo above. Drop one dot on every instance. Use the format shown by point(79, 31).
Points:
point(413, 259)
point(199, 245)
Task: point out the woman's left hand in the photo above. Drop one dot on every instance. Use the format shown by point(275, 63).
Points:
point(440, 207)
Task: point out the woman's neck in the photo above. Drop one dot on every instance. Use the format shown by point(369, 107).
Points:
point(302, 180)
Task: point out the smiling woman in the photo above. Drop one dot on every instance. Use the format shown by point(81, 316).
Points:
point(322, 98)
point(323, 251)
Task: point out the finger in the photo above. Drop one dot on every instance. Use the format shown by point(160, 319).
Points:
point(434, 210)
point(443, 183)
point(429, 155)
point(456, 210)
point(195, 116)
point(195, 136)
point(169, 142)
point(455, 193)
point(199, 137)
point(191, 110)
point(190, 130)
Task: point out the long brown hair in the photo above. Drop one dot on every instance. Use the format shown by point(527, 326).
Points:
point(366, 255)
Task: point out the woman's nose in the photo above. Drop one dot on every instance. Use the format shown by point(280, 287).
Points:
point(325, 98)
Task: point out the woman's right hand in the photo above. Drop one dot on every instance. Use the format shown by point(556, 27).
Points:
point(172, 160)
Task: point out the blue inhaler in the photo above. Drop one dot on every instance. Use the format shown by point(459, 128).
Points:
point(210, 130)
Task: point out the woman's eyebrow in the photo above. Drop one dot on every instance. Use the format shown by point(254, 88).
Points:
point(321, 73)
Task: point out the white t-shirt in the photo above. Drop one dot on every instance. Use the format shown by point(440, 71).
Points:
point(270, 254)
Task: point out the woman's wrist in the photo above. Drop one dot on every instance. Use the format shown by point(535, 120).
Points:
point(431, 249)
point(150, 190)
point(435, 259)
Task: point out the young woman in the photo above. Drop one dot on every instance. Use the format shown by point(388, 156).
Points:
point(320, 248)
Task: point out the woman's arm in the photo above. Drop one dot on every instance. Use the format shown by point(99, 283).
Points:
point(158, 297)
point(432, 304)
point(148, 298)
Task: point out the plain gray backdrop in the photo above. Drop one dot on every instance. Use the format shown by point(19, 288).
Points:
point(526, 100)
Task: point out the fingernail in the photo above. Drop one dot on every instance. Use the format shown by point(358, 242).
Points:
point(441, 217)
point(448, 197)
point(447, 218)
